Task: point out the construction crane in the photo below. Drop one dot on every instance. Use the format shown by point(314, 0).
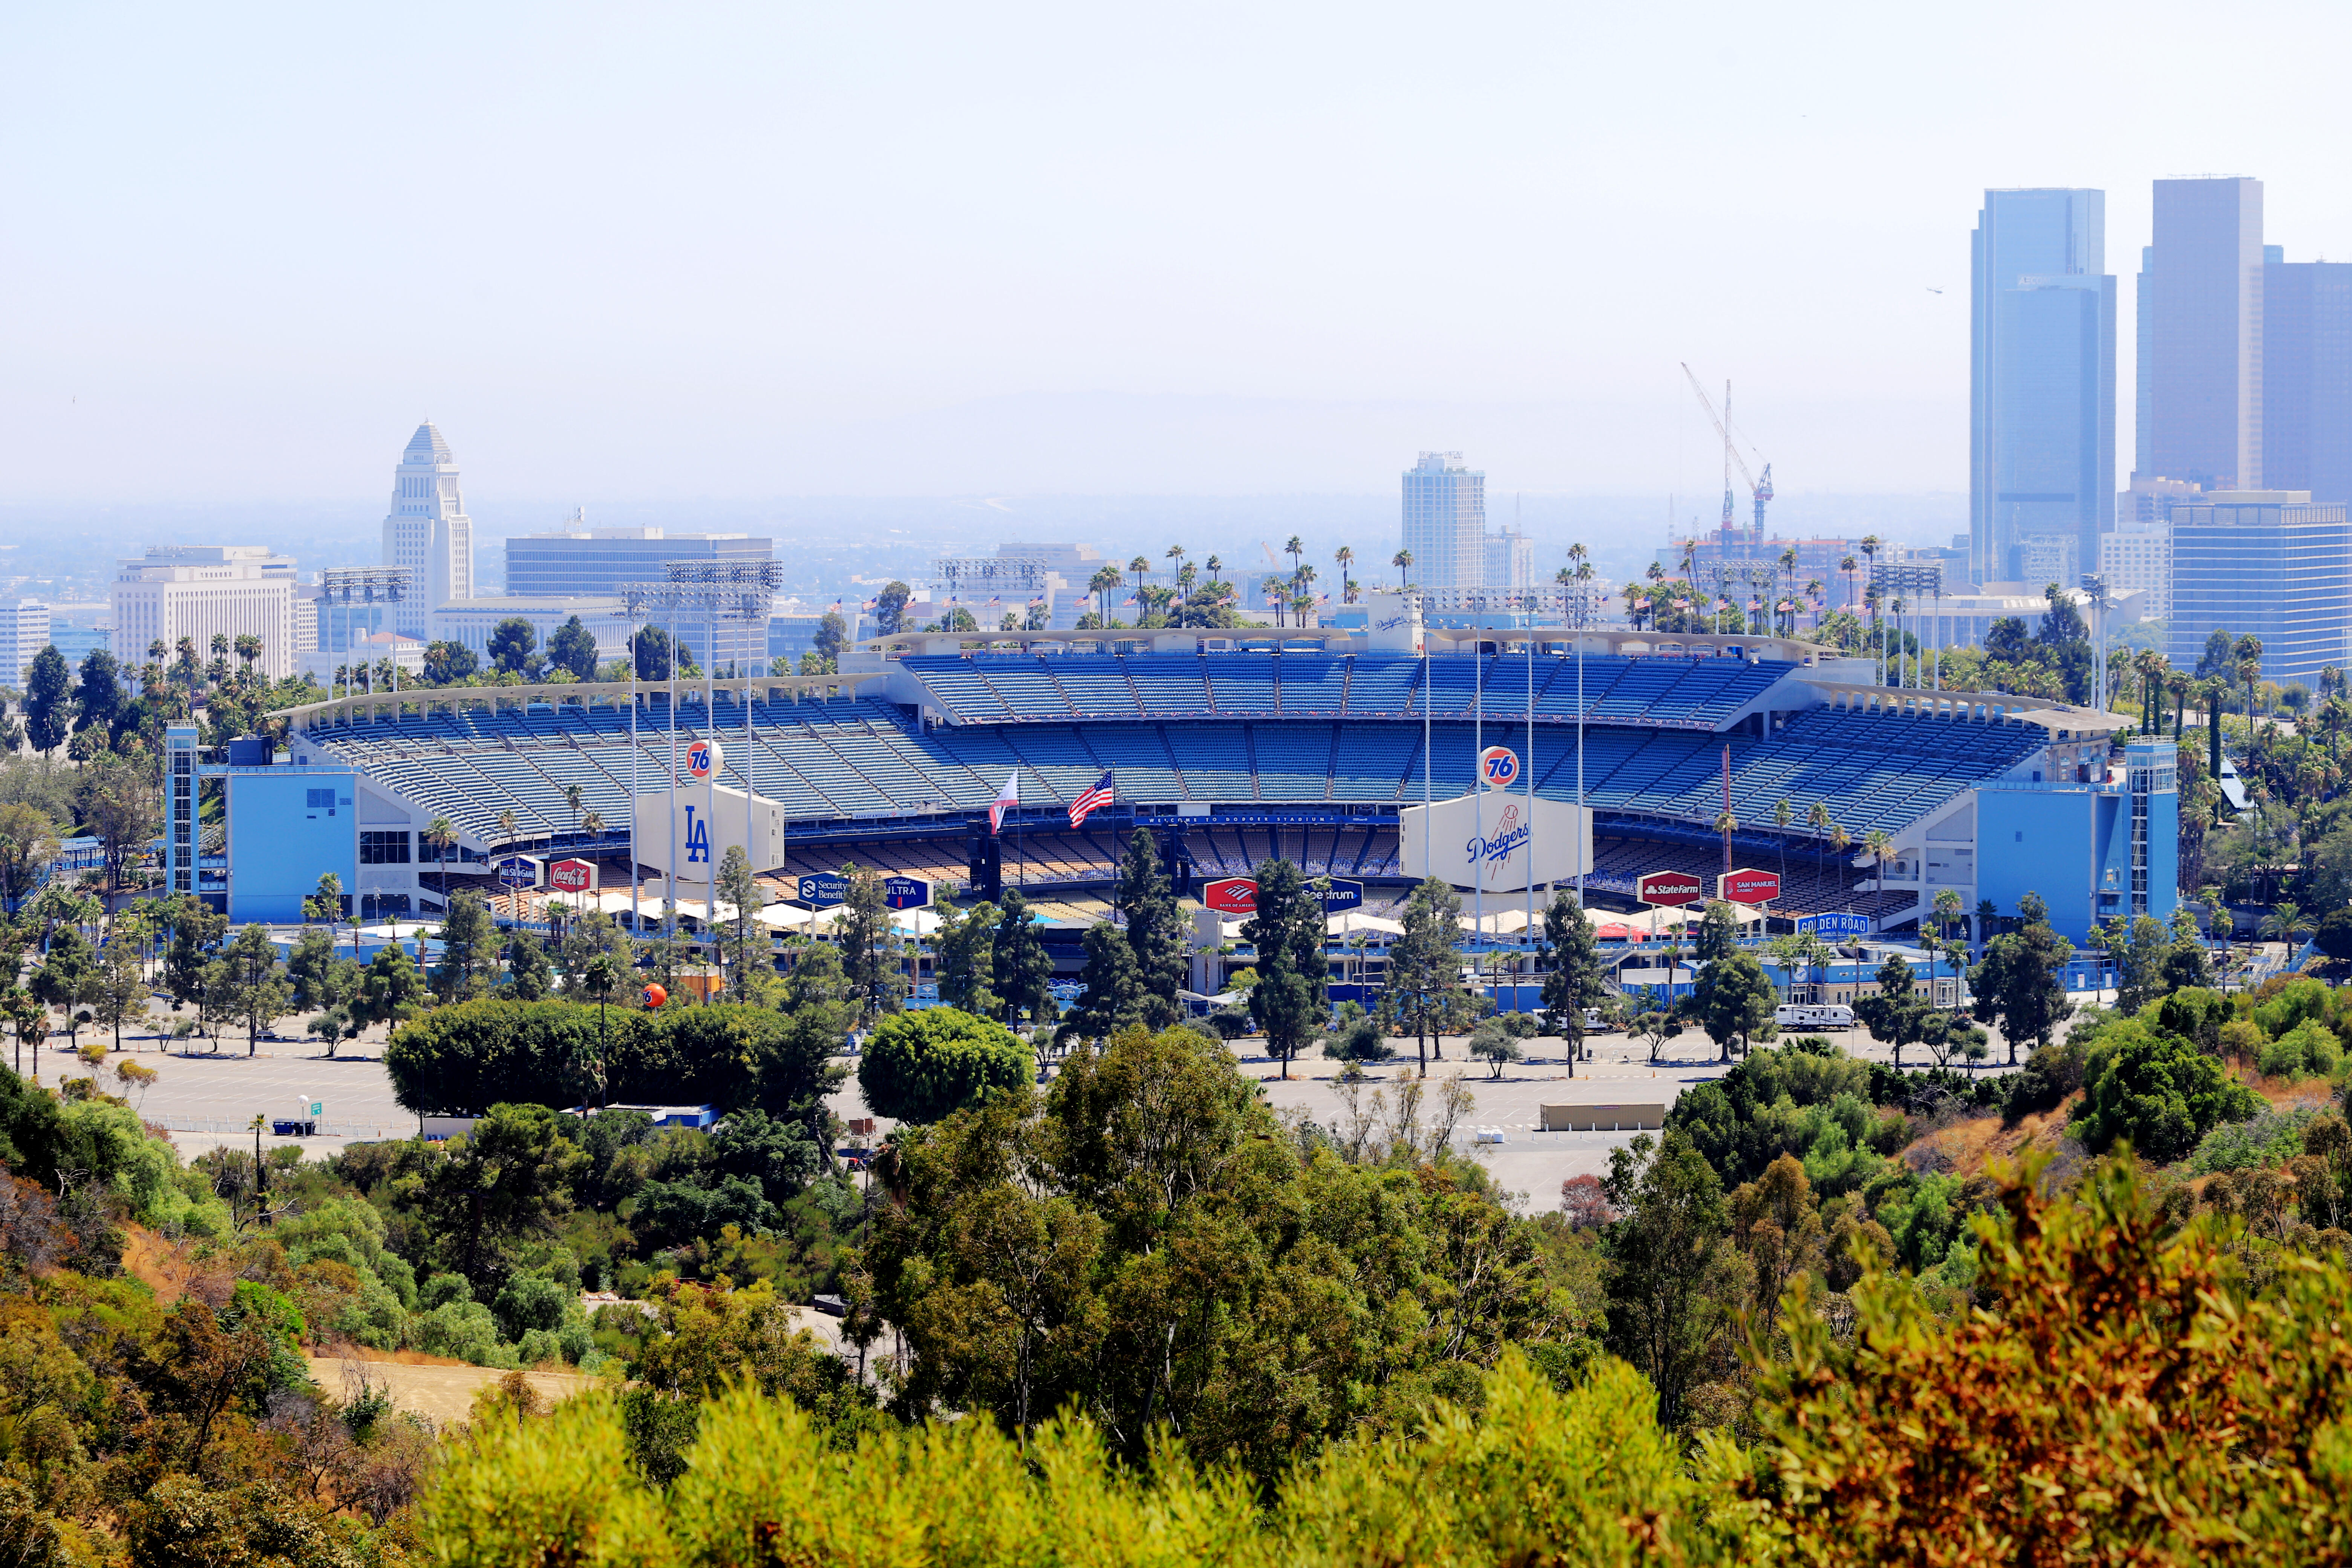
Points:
point(1761, 489)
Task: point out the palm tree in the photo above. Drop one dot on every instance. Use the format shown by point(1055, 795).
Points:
point(1878, 846)
point(1840, 842)
point(1296, 549)
point(1783, 813)
point(2179, 684)
point(1142, 567)
point(2286, 921)
point(1986, 914)
point(1402, 561)
point(1788, 568)
point(1814, 591)
point(1726, 824)
point(1278, 594)
point(2249, 652)
point(593, 823)
point(1102, 584)
point(1947, 911)
point(576, 798)
point(1176, 553)
point(441, 833)
point(249, 648)
point(1344, 558)
point(1817, 817)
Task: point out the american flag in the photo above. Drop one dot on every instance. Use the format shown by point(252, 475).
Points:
point(1090, 801)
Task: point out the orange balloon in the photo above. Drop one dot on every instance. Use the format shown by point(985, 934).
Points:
point(656, 996)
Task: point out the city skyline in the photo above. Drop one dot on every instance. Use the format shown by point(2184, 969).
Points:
point(629, 231)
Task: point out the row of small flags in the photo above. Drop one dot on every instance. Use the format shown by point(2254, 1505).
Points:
point(1089, 801)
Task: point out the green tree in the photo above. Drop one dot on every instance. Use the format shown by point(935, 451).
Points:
point(832, 639)
point(100, 702)
point(1674, 1276)
point(2157, 1091)
point(1896, 1015)
point(965, 944)
point(1424, 980)
point(923, 1066)
point(1112, 994)
point(511, 645)
point(649, 652)
point(121, 974)
point(48, 699)
point(507, 1181)
point(739, 887)
point(1735, 999)
point(469, 951)
point(889, 610)
point(449, 663)
point(2020, 984)
point(28, 843)
point(1155, 929)
point(390, 990)
point(310, 970)
point(197, 932)
point(574, 647)
point(1573, 979)
point(1024, 972)
point(869, 945)
point(120, 803)
point(1287, 1002)
point(530, 977)
point(256, 983)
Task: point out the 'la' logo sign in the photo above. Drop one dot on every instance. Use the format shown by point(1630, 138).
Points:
point(698, 839)
point(702, 761)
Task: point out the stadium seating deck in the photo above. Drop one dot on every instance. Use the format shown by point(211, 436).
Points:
point(1305, 729)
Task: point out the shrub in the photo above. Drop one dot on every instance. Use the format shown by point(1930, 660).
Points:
point(2335, 933)
point(2270, 1139)
point(1359, 1040)
point(2157, 1091)
point(921, 1067)
point(529, 1303)
point(2309, 1048)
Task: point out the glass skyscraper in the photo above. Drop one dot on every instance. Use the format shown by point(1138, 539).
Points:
point(2042, 426)
point(2200, 336)
point(2270, 563)
point(2307, 377)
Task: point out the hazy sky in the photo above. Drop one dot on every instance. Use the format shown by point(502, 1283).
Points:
point(645, 252)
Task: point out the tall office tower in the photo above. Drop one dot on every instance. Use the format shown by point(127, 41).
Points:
point(427, 531)
point(2200, 336)
point(2307, 376)
point(23, 633)
point(2042, 425)
point(1445, 523)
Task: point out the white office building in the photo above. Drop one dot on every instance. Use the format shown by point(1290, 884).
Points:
point(201, 591)
point(428, 530)
point(1445, 523)
point(23, 633)
point(470, 622)
point(2136, 558)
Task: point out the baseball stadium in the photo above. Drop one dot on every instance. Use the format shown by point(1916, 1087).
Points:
point(1862, 799)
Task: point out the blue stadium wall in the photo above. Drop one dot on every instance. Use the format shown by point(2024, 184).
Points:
point(287, 828)
point(2073, 847)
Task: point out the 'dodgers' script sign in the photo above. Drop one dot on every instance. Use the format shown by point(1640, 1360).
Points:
point(1491, 842)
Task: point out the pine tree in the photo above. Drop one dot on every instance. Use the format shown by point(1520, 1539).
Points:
point(1025, 974)
point(469, 946)
point(1572, 983)
point(1288, 1000)
point(965, 945)
point(869, 946)
point(1114, 996)
point(1424, 988)
point(1155, 930)
point(48, 699)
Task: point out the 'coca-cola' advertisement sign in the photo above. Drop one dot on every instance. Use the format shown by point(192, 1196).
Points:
point(573, 876)
point(1669, 888)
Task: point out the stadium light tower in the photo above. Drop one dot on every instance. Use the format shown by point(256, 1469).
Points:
point(722, 590)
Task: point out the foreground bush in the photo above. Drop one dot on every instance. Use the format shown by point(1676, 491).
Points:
point(2127, 1400)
